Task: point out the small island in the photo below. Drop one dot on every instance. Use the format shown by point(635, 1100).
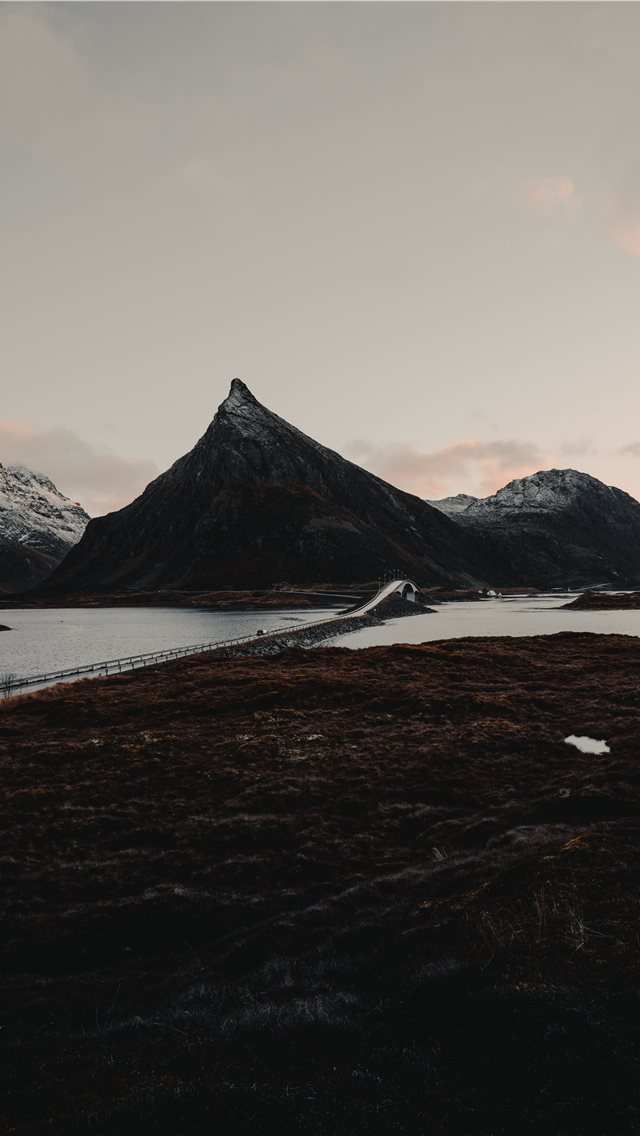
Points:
point(605, 601)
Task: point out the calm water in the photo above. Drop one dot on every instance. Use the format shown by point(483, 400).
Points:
point(66, 637)
point(519, 615)
point(57, 638)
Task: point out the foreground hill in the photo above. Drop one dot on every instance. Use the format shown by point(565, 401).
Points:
point(557, 526)
point(255, 502)
point(38, 526)
point(332, 892)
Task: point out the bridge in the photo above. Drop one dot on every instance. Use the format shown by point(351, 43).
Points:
point(406, 589)
point(10, 684)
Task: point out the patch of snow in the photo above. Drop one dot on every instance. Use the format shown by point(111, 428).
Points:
point(587, 745)
point(452, 505)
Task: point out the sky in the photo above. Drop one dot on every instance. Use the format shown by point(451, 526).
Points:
point(412, 229)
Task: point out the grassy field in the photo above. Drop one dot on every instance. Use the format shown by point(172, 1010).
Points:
point(331, 893)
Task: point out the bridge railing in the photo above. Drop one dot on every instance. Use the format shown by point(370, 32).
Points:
point(149, 658)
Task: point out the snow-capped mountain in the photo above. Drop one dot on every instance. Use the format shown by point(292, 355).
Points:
point(38, 526)
point(550, 490)
point(557, 526)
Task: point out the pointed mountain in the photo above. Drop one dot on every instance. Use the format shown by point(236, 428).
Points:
point(256, 501)
point(38, 526)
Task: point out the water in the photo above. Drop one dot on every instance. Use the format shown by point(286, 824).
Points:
point(60, 638)
point(516, 615)
point(57, 638)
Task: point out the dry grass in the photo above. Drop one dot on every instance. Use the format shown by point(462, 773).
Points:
point(330, 892)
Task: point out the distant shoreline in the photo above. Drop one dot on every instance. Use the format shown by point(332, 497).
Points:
point(315, 597)
point(209, 601)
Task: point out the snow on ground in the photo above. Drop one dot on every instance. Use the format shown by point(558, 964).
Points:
point(586, 744)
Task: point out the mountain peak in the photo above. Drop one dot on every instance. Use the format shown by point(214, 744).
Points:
point(554, 489)
point(256, 500)
point(239, 396)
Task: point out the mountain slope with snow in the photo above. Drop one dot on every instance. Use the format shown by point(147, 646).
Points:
point(558, 526)
point(549, 490)
point(452, 506)
point(38, 526)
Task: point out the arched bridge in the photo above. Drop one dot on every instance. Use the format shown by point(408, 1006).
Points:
point(406, 589)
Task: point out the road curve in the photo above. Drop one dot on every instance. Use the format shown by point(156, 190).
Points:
point(385, 591)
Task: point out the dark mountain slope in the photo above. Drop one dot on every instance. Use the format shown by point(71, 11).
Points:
point(257, 501)
point(559, 526)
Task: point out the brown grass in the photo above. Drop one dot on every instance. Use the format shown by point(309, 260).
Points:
point(346, 892)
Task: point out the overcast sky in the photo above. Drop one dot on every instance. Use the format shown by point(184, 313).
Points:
point(412, 229)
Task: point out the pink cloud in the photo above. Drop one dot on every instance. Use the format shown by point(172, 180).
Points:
point(16, 429)
point(627, 237)
point(93, 475)
point(550, 193)
point(469, 466)
point(623, 221)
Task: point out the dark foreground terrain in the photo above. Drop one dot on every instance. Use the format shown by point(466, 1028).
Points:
point(328, 893)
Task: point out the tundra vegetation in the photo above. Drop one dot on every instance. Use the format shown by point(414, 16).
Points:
point(326, 892)
point(8, 680)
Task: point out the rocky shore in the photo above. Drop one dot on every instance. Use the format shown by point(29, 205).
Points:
point(326, 892)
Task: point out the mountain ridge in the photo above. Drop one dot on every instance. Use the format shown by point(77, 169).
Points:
point(256, 501)
point(559, 525)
